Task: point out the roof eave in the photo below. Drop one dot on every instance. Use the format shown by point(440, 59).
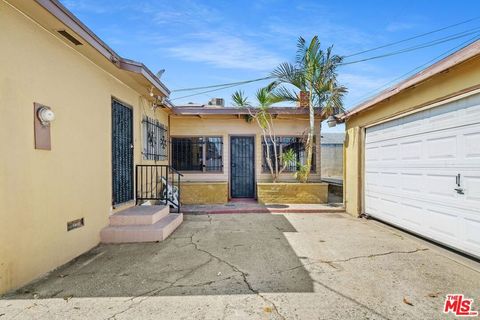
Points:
point(67, 18)
point(199, 111)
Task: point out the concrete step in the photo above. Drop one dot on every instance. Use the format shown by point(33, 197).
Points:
point(139, 215)
point(158, 231)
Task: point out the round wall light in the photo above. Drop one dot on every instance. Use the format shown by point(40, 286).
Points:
point(45, 115)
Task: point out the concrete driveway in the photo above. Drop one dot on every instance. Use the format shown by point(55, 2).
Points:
point(255, 266)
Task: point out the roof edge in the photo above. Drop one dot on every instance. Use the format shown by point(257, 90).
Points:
point(466, 53)
point(65, 16)
point(193, 111)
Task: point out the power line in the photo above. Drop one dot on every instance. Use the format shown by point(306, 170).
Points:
point(411, 38)
point(203, 92)
point(224, 84)
point(451, 37)
point(416, 47)
point(377, 90)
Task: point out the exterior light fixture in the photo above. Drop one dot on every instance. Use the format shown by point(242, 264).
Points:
point(332, 121)
point(45, 115)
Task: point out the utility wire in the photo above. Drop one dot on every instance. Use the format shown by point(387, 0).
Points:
point(408, 49)
point(376, 91)
point(224, 84)
point(203, 92)
point(416, 47)
point(411, 38)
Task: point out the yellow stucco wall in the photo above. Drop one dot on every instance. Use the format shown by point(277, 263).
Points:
point(292, 193)
point(446, 84)
point(204, 192)
point(226, 126)
point(41, 190)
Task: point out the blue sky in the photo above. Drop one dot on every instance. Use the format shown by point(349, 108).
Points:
point(210, 42)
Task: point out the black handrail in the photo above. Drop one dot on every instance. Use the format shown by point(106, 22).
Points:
point(157, 182)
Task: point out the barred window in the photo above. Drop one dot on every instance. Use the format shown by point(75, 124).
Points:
point(154, 139)
point(288, 143)
point(204, 154)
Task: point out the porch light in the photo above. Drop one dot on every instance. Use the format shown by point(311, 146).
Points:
point(45, 115)
point(332, 121)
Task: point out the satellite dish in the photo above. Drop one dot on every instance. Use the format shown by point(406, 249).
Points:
point(160, 73)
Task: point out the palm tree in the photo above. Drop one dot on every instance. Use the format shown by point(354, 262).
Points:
point(262, 116)
point(314, 78)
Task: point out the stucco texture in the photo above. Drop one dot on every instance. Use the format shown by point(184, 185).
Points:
point(284, 193)
point(41, 190)
point(204, 192)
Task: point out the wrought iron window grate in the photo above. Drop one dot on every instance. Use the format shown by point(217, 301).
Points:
point(204, 154)
point(155, 139)
point(297, 144)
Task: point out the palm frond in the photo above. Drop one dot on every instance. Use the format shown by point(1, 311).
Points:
point(284, 94)
point(239, 99)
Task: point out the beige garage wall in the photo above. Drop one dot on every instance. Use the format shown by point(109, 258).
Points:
point(226, 126)
point(41, 190)
point(458, 80)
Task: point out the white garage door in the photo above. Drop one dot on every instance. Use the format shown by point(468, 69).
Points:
point(422, 173)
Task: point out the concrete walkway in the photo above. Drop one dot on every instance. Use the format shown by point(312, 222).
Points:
point(255, 266)
point(252, 206)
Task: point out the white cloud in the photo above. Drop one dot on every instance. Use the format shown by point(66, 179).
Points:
point(225, 51)
point(361, 86)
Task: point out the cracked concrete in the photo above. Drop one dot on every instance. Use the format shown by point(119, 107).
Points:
point(254, 266)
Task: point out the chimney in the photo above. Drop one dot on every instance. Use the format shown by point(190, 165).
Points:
point(216, 102)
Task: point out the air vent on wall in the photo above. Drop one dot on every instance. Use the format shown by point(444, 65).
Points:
point(69, 37)
point(75, 224)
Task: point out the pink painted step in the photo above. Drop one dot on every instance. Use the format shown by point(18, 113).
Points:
point(139, 215)
point(158, 231)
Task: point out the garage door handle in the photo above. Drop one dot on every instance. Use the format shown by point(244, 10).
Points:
point(459, 190)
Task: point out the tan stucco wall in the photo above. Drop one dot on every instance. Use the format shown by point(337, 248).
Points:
point(289, 193)
point(446, 84)
point(41, 190)
point(204, 192)
point(227, 126)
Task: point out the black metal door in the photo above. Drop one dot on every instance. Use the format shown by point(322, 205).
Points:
point(242, 168)
point(122, 153)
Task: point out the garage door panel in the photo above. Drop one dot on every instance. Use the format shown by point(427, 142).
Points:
point(440, 185)
point(391, 207)
point(411, 150)
point(442, 147)
point(471, 143)
point(390, 180)
point(372, 154)
point(411, 168)
point(442, 221)
point(412, 182)
point(472, 187)
point(471, 228)
point(389, 152)
point(413, 213)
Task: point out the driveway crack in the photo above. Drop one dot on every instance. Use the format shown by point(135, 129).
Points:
point(331, 262)
point(243, 275)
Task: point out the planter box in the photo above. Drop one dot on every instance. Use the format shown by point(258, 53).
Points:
point(203, 192)
point(285, 192)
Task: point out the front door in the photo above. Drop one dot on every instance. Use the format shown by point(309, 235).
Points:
point(122, 153)
point(242, 168)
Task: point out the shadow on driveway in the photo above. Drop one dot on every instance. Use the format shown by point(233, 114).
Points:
point(207, 255)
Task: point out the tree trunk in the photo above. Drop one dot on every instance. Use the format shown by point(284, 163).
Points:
point(311, 133)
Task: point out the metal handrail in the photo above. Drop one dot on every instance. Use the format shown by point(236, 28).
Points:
point(157, 182)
